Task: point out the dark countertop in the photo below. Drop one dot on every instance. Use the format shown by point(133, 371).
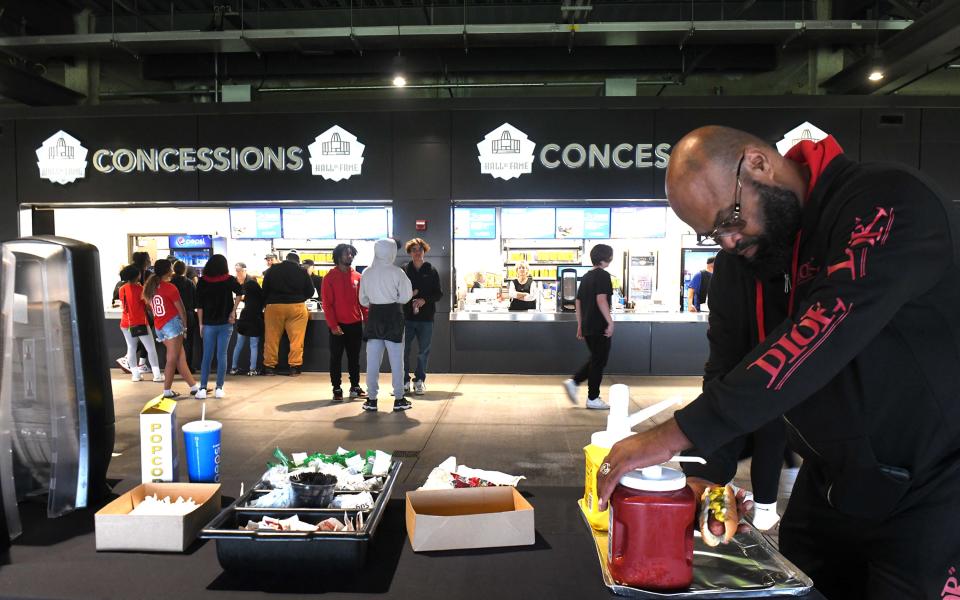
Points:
point(57, 559)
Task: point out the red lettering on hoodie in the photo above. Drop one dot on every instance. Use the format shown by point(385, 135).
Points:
point(864, 236)
point(792, 348)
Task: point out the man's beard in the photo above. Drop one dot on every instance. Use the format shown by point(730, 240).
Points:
point(781, 214)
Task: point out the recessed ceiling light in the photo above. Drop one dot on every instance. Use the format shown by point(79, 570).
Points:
point(399, 81)
point(875, 75)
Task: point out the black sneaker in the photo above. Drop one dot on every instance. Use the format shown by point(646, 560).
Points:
point(295, 371)
point(234, 371)
point(269, 371)
point(337, 395)
point(370, 405)
point(401, 404)
point(357, 392)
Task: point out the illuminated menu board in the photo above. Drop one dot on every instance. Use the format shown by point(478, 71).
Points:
point(639, 222)
point(254, 223)
point(586, 223)
point(308, 224)
point(361, 223)
point(528, 223)
point(474, 223)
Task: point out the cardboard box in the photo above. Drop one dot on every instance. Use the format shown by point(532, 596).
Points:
point(158, 440)
point(486, 517)
point(116, 529)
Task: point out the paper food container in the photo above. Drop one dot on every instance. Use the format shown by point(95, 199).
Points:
point(116, 529)
point(158, 440)
point(487, 517)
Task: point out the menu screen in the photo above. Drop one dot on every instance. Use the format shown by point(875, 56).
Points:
point(254, 223)
point(474, 223)
point(361, 223)
point(528, 223)
point(588, 223)
point(639, 222)
point(308, 224)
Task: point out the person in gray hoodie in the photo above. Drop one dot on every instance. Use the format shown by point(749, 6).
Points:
point(384, 289)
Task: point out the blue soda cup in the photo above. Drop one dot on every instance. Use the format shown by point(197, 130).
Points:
point(202, 442)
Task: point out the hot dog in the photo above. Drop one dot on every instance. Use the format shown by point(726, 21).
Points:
point(718, 506)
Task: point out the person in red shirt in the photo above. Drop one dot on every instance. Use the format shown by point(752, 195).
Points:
point(133, 322)
point(169, 317)
point(339, 294)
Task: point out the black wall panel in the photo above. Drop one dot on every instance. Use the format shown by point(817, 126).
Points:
point(113, 134)
point(940, 148)
point(891, 135)
point(561, 127)
point(9, 228)
point(373, 130)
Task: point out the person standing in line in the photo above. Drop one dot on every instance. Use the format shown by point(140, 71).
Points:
point(317, 280)
point(133, 322)
point(384, 289)
point(340, 295)
point(188, 295)
point(285, 288)
point(169, 318)
point(270, 260)
point(217, 297)
point(419, 312)
point(250, 322)
point(698, 290)
point(594, 326)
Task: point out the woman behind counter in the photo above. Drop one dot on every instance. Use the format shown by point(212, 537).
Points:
point(524, 292)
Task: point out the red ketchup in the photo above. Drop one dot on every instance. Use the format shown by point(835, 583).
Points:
point(652, 513)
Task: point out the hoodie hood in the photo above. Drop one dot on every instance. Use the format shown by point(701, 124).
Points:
point(385, 251)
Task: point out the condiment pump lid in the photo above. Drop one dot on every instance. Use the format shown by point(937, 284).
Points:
point(655, 479)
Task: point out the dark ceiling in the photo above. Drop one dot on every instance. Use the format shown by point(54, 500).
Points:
point(161, 49)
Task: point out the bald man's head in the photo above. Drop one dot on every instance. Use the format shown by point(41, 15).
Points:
point(703, 190)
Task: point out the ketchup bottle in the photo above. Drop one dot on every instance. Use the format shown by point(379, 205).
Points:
point(652, 513)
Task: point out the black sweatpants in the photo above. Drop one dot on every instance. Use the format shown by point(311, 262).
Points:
point(913, 554)
point(350, 341)
point(592, 370)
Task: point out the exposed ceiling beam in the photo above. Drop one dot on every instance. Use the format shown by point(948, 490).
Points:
point(440, 36)
point(34, 90)
point(923, 47)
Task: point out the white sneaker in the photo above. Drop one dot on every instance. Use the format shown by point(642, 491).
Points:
point(136, 376)
point(201, 394)
point(406, 387)
point(597, 404)
point(571, 388)
point(218, 393)
point(765, 515)
point(145, 368)
point(122, 362)
point(157, 375)
point(418, 388)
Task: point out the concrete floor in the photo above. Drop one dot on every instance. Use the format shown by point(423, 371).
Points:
point(523, 425)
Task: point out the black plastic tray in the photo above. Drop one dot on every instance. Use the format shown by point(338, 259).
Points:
point(286, 551)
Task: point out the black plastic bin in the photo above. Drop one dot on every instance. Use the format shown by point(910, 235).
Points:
point(288, 551)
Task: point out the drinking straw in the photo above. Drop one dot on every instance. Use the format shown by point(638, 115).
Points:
point(203, 411)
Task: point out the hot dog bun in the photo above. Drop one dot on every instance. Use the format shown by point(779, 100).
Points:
point(722, 504)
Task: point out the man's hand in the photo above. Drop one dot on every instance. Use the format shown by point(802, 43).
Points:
point(652, 447)
point(692, 308)
point(608, 332)
point(579, 333)
point(419, 302)
point(337, 331)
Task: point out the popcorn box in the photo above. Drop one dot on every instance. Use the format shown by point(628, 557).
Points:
point(158, 440)
point(117, 529)
point(484, 517)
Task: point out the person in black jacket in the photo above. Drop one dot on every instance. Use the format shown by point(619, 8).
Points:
point(188, 295)
point(250, 323)
point(218, 295)
point(864, 369)
point(419, 312)
point(285, 288)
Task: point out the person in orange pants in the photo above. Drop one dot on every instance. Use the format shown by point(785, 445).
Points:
point(286, 287)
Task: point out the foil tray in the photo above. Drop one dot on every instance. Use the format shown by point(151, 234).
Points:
point(747, 567)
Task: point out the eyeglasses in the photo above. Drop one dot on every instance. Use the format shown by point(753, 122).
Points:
point(731, 224)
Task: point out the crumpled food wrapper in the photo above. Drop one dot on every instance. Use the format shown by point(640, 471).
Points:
point(154, 506)
point(289, 524)
point(442, 477)
point(363, 500)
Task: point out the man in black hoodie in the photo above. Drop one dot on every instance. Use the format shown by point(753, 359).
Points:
point(285, 288)
point(864, 368)
point(419, 312)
